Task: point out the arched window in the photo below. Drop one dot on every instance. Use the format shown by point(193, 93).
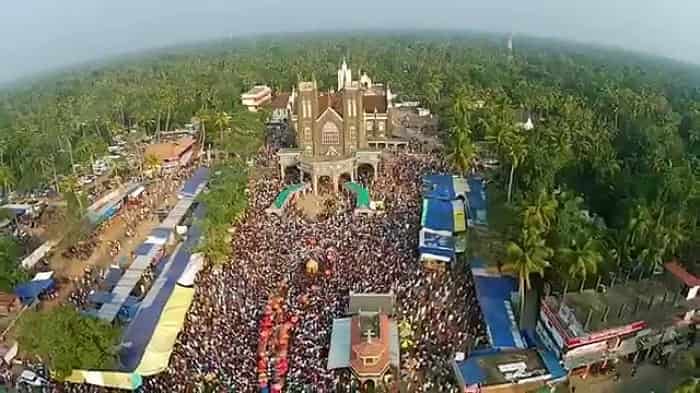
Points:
point(330, 135)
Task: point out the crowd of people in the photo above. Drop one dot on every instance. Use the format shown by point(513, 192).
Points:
point(218, 347)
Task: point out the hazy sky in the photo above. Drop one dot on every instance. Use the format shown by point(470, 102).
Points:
point(37, 35)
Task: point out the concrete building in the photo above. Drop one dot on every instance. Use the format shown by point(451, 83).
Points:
point(591, 328)
point(256, 97)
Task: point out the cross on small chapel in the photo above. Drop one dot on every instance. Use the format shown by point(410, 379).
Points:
point(369, 333)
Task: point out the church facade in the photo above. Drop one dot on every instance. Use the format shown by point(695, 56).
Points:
point(337, 131)
point(342, 121)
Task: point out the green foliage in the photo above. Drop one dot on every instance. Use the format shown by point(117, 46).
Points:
point(66, 340)
point(11, 273)
point(690, 386)
point(226, 201)
point(618, 130)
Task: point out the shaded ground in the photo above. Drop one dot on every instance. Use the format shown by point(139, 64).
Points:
point(313, 205)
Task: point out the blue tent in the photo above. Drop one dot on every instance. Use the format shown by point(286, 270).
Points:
point(129, 308)
point(476, 198)
point(493, 294)
point(143, 249)
point(31, 290)
point(436, 245)
point(100, 297)
point(113, 276)
point(199, 177)
point(437, 215)
point(445, 187)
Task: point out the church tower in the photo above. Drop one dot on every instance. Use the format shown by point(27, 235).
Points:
point(353, 111)
point(344, 76)
point(307, 102)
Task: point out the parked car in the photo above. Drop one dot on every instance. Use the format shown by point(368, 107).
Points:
point(28, 377)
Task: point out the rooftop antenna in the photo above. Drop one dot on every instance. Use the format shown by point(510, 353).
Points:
point(588, 319)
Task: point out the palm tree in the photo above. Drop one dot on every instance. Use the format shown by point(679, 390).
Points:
point(542, 212)
point(581, 259)
point(223, 121)
point(203, 116)
point(461, 149)
point(530, 256)
point(71, 188)
point(151, 162)
point(510, 143)
point(7, 178)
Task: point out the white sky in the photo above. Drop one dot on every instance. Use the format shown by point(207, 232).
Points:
point(37, 35)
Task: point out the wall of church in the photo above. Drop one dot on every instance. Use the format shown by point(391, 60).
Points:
point(307, 109)
point(328, 136)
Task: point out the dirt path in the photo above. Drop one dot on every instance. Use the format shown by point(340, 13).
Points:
point(68, 270)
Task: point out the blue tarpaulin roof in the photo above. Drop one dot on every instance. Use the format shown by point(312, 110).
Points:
point(199, 178)
point(493, 294)
point(143, 249)
point(471, 371)
point(438, 215)
point(29, 291)
point(445, 187)
point(99, 297)
point(140, 330)
point(113, 276)
point(552, 363)
point(161, 233)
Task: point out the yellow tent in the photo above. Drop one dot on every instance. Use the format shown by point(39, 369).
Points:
point(108, 379)
point(157, 354)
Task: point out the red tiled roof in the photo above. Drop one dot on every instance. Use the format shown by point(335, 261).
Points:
point(374, 102)
point(280, 101)
point(679, 271)
point(335, 101)
point(169, 150)
point(360, 347)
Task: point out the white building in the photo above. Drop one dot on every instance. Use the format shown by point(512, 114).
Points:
point(256, 97)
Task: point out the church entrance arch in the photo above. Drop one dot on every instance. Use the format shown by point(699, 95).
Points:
point(365, 174)
point(292, 175)
point(369, 387)
point(325, 184)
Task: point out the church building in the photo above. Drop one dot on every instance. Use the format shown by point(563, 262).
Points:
point(338, 130)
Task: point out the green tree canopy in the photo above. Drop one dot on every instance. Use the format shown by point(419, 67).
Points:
point(66, 340)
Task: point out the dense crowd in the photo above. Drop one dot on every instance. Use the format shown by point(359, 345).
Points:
point(218, 347)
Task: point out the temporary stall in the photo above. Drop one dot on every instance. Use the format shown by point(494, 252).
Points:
point(436, 245)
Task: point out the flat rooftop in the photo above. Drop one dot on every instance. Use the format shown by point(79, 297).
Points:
point(656, 301)
point(257, 90)
point(497, 368)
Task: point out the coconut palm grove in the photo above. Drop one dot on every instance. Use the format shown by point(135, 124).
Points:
point(365, 212)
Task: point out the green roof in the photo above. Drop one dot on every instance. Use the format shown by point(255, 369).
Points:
point(361, 192)
point(286, 193)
